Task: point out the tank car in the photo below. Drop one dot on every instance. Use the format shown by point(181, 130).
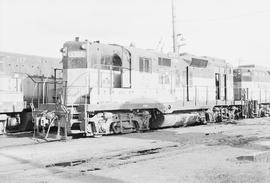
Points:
point(25, 80)
point(110, 88)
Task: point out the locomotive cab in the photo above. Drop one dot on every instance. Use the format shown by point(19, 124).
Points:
point(93, 65)
point(92, 72)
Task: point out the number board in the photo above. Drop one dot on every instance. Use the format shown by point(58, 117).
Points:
point(76, 54)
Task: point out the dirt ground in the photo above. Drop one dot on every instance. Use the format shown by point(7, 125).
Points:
point(209, 153)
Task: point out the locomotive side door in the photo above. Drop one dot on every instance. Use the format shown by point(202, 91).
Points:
point(189, 90)
point(187, 82)
point(217, 84)
point(225, 87)
point(126, 69)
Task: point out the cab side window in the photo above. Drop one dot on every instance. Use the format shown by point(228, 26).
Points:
point(144, 64)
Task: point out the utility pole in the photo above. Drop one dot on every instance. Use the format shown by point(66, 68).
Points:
point(173, 27)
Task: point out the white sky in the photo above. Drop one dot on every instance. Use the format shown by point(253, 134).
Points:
point(230, 29)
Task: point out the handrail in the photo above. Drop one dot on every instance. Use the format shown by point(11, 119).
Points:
point(111, 66)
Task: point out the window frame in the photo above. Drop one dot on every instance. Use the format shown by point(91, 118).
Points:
point(145, 64)
point(162, 61)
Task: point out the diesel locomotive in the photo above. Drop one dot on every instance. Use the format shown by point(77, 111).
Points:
point(252, 83)
point(108, 88)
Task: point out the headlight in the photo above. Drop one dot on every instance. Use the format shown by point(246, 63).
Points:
point(83, 46)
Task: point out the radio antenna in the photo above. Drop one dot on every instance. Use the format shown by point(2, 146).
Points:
point(173, 26)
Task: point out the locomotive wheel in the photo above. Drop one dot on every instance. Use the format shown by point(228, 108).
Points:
point(115, 128)
point(136, 126)
point(89, 128)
